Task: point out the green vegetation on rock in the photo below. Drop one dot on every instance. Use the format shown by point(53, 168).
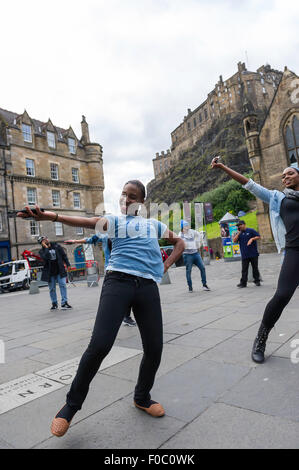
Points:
point(192, 174)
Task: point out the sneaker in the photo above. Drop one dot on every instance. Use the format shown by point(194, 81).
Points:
point(66, 306)
point(54, 306)
point(190, 290)
point(129, 321)
point(257, 283)
point(205, 287)
point(241, 285)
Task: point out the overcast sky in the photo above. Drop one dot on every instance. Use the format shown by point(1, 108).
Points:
point(133, 67)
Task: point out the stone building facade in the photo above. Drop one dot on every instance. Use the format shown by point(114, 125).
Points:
point(46, 165)
point(275, 145)
point(227, 97)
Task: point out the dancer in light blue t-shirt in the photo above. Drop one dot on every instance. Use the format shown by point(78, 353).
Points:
point(134, 268)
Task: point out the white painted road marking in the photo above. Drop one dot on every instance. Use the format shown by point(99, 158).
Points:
point(20, 391)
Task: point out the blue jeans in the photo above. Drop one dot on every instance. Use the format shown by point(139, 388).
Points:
point(62, 287)
point(189, 260)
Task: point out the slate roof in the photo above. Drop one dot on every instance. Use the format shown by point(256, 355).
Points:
point(11, 117)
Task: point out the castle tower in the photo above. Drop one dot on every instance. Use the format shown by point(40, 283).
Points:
point(94, 153)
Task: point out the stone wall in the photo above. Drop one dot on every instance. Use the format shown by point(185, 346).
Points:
point(85, 157)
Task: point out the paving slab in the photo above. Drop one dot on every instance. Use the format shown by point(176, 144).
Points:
point(281, 333)
point(22, 352)
point(186, 325)
point(204, 338)
point(172, 357)
point(119, 426)
point(62, 339)
point(134, 341)
point(289, 349)
point(270, 388)
point(236, 321)
point(235, 351)
point(187, 390)
point(29, 424)
point(20, 367)
point(230, 427)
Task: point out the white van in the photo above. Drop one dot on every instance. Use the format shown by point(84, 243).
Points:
point(15, 275)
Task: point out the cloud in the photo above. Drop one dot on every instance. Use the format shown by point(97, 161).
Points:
point(134, 67)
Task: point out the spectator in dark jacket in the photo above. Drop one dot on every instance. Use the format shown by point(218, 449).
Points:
point(54, 271)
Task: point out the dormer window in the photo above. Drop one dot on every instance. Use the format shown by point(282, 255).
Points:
point(27, 133)
point(72, 145)
point(51, 139)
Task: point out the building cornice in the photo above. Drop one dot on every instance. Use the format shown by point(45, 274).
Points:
point(54, 183)
point(55, 154)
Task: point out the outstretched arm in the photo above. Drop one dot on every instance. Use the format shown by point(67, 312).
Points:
point(73, 221)
point(233, 174)
point(72, 242)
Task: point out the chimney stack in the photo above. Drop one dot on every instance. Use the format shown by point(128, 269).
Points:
point(85, 132)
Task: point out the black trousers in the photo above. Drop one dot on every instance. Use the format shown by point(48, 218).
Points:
point(255, 271)
point(120, 293)
point(287, 283)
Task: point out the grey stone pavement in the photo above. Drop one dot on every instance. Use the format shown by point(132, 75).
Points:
point(213, 394)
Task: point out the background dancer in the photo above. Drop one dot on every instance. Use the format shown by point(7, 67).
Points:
point(134, 268)
point(246, 237)
point(284, 217)
point(191, 240)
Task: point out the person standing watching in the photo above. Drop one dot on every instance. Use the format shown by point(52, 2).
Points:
point(247, 237)
point(54, 271)
point(191, 255)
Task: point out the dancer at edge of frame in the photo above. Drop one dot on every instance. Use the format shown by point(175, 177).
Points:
point(284, 218)
point(132, 274)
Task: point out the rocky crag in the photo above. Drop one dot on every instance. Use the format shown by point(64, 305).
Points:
point(192, 175)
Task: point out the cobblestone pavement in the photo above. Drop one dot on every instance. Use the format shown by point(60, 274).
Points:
point(213, 394)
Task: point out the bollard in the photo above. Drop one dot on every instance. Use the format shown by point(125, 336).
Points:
point(92, 280)
point(206, 260)
point(34, 289)
point(165, 279)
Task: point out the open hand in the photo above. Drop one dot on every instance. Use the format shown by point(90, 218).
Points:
point(250, 241)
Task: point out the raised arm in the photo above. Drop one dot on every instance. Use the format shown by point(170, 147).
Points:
point(233, 174)
point(256, 189)
point(73, 221)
